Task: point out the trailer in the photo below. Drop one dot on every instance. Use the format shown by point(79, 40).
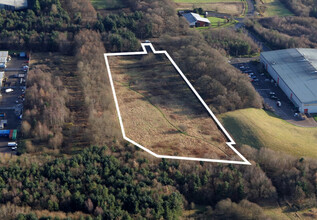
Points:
point(14, 134)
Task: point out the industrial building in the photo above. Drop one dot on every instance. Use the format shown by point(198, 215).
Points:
point(13, 4)
point(4, 56)
point(295, 72)
point(195, 20)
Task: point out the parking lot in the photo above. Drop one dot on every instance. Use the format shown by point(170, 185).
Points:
point(272, 95)
point(12, 98)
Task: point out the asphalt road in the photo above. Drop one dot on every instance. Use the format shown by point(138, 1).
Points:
point(241, 24)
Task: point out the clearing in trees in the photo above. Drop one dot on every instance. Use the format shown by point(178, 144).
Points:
point(160, 111)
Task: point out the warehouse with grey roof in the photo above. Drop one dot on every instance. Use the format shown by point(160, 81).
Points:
point(295, 72)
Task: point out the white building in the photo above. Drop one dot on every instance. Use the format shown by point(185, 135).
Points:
point(195, 20)
point(3, 58)
point(13, 4)
point(295, 71)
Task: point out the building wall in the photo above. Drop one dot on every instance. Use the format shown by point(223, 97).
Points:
point(289, 93)
point(311, 108)
point(201, 24)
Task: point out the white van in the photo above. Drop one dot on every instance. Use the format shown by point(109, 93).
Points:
point(13, 145)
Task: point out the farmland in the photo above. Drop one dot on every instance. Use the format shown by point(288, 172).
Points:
point(155, 102)
point(233, 7)
point(259, 128)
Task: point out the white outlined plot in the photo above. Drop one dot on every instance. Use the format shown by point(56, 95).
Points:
point(230, 142)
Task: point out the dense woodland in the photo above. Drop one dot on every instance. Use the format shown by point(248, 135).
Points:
point(122, 182)
point(286, 32)
point(103, 126)
point(118, 181)
point(45, 110)
point(231, 42)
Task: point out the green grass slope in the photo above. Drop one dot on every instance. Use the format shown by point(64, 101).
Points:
point(259, 128)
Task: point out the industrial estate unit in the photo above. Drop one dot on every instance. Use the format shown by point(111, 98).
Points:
point(295, 71)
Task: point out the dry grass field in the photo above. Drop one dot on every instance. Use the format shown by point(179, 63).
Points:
point(233, 8)
point(160, 112)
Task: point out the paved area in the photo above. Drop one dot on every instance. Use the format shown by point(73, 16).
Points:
point(11, 99)
point(263, 83)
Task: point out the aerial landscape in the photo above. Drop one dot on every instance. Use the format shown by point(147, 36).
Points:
point(158, 109)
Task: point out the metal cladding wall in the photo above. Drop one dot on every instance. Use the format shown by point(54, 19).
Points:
point(311, 108)
point(289, 93)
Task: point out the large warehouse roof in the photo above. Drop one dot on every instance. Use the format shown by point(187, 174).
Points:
point(298, 69)
point(18, 4)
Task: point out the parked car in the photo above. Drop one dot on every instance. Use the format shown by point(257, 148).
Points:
point(8, 90)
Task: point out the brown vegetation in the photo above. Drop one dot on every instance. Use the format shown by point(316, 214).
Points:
point(45, 108)
point(160, 112)
point(91, 68)
point(302, 7)
point(231, 42)
point(198, 59)
point(286, 32)
point(81, 11)
point(293, 178)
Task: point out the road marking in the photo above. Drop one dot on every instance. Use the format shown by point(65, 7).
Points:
point(144, 52)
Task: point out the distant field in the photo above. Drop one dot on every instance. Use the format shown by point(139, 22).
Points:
point(235, 8)
point(258, 128)
point(160, 112)
point(108, 4)
point(275, 8)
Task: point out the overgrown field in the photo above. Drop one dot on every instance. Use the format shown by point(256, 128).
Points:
point(259, 128)
point(160, 112)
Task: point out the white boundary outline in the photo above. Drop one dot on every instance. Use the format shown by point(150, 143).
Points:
point(231, 141)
